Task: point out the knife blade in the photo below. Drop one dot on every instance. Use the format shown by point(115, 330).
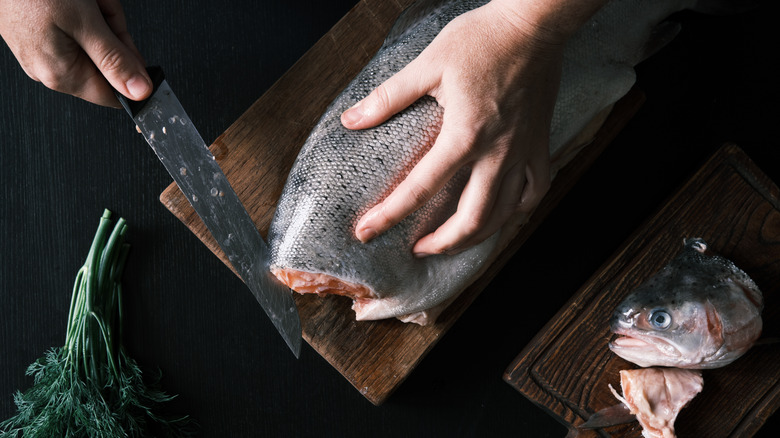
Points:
point(177, 143)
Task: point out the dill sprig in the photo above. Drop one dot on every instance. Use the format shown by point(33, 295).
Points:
point(90, 387)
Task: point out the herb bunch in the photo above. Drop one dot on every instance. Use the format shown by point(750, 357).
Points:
point(90, 387)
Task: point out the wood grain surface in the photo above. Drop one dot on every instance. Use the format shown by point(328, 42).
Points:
point(258, 150)
point(566, 368)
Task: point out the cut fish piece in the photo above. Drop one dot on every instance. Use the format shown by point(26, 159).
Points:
point(656, 396)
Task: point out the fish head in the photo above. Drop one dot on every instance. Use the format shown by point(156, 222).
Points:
point(672, 333)
point(699, 311)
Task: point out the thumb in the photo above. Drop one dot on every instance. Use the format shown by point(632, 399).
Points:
point(117, 61)
point(389, 98)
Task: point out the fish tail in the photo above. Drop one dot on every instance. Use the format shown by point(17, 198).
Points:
point(661, 35)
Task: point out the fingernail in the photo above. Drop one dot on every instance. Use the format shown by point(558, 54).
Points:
point(353, 115)
point(366, 234)
point(137, 86)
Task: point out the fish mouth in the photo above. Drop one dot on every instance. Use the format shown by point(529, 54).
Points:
point(629, 342)
point(645, 350)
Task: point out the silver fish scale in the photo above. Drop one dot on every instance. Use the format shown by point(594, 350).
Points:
point(340, 174)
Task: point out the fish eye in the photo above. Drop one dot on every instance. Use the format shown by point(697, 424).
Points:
point(660, 319)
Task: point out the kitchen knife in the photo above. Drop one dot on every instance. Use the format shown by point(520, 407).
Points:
point(171, 134)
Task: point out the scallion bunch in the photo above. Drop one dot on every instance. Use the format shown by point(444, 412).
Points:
point(90, 387)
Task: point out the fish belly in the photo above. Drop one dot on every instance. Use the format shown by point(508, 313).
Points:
point(340, 174)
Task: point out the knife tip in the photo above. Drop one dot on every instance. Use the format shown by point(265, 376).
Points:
point(295, 346)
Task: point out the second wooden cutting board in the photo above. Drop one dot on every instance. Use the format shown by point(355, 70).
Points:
point(567, 367)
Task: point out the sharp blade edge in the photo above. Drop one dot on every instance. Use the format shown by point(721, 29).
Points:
point(185, 155)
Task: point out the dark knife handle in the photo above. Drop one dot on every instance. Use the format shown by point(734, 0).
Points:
point(132, 106)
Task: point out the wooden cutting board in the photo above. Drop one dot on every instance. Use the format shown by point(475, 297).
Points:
point(374, 356)
point(566, 368)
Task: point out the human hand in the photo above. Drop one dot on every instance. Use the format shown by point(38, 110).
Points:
point(496, 76)
point(78, 47)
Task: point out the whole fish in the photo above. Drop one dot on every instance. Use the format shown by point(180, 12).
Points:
point(700, 311)
point(340, 174)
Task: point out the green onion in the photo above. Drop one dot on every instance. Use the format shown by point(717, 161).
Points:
point(90, 387)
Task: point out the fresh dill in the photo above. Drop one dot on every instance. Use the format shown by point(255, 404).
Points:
point(90, 387)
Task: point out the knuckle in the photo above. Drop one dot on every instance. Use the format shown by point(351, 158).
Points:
point(456, 149)
point(506, 209)
point(59, 74)
point(419, 194)
point(440, 244)
point(51, 79)
point(39, 69)
point(384, 218)
point(382, 96)
point(474, 224)
point(111, 61)
point(470, 227)
point(30, 71)
point(466, 150)
point(470, 143)
point(527, 204)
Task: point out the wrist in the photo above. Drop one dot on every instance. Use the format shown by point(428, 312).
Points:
point(549, 22)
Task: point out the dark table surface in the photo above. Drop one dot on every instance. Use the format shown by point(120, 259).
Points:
point(64, 160)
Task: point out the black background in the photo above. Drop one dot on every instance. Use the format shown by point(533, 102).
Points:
point(64, 161)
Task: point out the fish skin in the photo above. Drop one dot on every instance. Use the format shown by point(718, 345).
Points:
point(340, 174)
point(653, 396)
point(715, 310)
point(657, 395)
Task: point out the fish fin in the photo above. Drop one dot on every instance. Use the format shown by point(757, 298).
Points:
point(696, 243)
point(411, 17)
point(714, 324)
point(611, 416)
point(725, 7)
point(661, 35)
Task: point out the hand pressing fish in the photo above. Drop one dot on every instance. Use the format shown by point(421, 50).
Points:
point(341, 174)
point(700, 311)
